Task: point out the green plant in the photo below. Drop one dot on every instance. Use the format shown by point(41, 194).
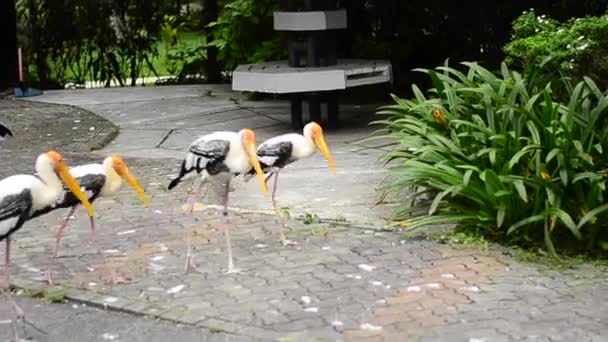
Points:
point(187, 58)
point(244, 33)
point(576, 48)
point(500, 155)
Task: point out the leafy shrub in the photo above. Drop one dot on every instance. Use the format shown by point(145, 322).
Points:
point(78, 40)
point(500, 155)
point(577, 47)
point(244, 33)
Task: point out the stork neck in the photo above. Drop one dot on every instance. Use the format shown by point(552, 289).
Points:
point(310, 146)
point(52, 185)
point(113, 180)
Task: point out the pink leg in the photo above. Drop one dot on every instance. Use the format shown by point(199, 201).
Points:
point(274, 190)
point(92, 219)
point(189, 266)
point(61, 228)
point(269, 176)
point(7, 263)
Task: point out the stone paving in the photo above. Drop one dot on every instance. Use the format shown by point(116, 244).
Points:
point(337, 283)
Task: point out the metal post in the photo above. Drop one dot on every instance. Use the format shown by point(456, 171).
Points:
point(333, 110)
point(296, 111)
point(314, 106)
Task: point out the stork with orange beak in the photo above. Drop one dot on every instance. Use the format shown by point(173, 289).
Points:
point(21, 196)
point(218, 154)
point(277, 152)
point(96, 180)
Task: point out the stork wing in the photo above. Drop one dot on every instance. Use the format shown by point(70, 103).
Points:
point(4, 131)
point(275, 154)
point(90, 184)
point(14, 210)
point(211, 149)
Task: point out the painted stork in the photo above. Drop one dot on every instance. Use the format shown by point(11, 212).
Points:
point(4, 132)
point(280, 151)
point(96, 180)
point(221, 154)
point(23, 195)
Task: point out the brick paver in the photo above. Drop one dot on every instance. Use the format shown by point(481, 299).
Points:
point(337, 283)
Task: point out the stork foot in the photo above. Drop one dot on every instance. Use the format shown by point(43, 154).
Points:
point(49, 277)
point(287, 242)
point(190, 267)
point(234, 270)
point(116, 279)
point(20, 317)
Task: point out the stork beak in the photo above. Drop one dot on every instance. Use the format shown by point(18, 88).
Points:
point(320, 141)
point(135, 185)
point(64, 174)
point(253, 158)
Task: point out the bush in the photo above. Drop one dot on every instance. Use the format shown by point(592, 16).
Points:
point(500, 155)
point(577, 47)
point(244, 33)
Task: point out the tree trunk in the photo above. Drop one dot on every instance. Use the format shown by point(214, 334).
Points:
point(210, 12)
point(8, 41)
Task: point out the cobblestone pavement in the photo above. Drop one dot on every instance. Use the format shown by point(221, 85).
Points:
point(337, 283)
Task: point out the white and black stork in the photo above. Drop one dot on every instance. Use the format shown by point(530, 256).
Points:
point(23, 197)
point(4, 132)
point(96, 180)
point(277, 152)
point(221, 154)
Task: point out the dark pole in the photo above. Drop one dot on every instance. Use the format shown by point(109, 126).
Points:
point(8, 41)
point(210, 13)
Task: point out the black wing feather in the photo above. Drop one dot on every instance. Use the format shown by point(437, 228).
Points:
point(4, 131)
point(17, 205)
point(207, 155)
point(281, 152)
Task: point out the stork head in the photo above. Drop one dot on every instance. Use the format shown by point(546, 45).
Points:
point(62, 170)
point(314, 131)
point(120, 167)
point(248, 141)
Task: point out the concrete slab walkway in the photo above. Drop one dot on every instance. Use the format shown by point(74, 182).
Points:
point(160, 122)
point(338, 283)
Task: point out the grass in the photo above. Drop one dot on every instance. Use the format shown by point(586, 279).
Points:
point(49, 296)
point(159, 62)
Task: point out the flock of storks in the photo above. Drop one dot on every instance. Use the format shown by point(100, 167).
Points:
point(227, 154)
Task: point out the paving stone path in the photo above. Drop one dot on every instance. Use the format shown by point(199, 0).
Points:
point(338, 283)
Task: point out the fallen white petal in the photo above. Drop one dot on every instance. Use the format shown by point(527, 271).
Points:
point(433, 286)
point(313, 309)
point(357, 277)
point(306, 299)
point(413, 289)
point(471, 288)
point(157, 258)
point(112, 251)
point(337, 323)
point(158, 212)
point(370, 327)
point(448, 275)
point(110, 300)
point(377, 283)
point(175, 289)
point(326, 248)
point(109, 337)
point(126, 232)
point(261, 245)
point(367, 268)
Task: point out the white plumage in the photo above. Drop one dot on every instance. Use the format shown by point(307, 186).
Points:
point(23, 197)
point(215, 154)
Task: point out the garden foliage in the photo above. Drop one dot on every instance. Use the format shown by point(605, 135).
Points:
point(499, 154)
point(575, 48)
